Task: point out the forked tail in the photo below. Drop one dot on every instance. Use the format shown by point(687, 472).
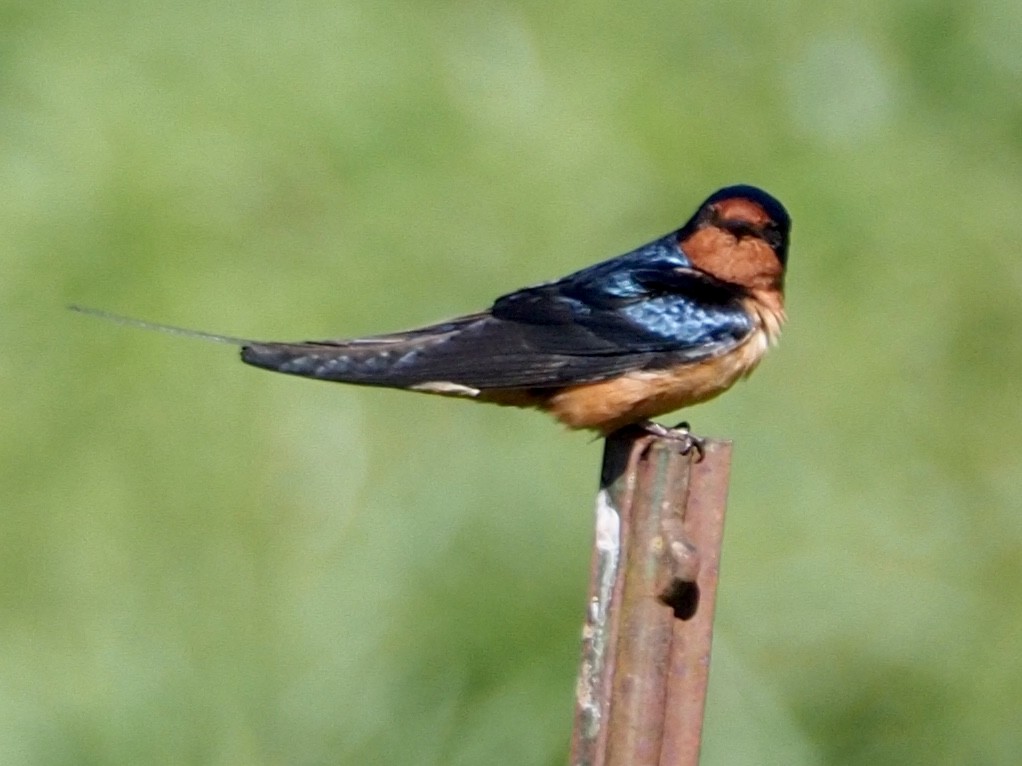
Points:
point(165, 328)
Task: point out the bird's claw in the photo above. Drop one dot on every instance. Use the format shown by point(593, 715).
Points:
point(682, 434)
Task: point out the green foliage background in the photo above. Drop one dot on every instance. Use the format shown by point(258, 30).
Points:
point(203, 563)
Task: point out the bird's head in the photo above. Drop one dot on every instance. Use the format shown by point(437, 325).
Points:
point(739, 235)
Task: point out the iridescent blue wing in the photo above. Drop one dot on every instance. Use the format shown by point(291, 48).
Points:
point(644, 310)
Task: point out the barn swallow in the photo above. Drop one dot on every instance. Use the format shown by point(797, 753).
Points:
point(672, 323)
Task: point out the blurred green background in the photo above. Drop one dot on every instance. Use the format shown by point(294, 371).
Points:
point(204, 563)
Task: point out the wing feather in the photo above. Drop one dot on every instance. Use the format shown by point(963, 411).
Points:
point(579, 329)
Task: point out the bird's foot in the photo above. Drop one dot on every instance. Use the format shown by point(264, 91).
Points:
point(681, 433)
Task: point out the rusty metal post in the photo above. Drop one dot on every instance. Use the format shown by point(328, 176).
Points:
point(646, 640)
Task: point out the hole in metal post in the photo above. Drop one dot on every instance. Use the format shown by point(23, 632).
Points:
point(682, 597)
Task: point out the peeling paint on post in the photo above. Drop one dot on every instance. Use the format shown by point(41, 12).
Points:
point(649, 621)
point(596, 631)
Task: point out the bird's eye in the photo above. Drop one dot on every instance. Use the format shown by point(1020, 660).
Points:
point(772, 235)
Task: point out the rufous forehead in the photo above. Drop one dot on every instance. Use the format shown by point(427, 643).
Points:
point(741, 209)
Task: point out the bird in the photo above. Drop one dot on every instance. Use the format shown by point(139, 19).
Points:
point(670, 324)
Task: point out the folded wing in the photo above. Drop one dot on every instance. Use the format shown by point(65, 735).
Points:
point(571, 331)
